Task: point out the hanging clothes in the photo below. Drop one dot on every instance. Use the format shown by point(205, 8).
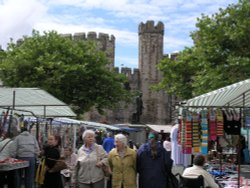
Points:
point(196, 133)
point(219, 122)
point(187, 132)
point(212, 124)
point(232, 124)
point(204, 130)
point(176, 154)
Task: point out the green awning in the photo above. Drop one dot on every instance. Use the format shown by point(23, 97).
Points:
point(33, 101)
point(235, 95)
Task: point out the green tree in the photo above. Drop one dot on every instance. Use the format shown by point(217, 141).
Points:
point(74, 71)
point(220, 55)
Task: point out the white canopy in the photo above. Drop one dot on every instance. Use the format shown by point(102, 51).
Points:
point(33, 101)
point(235, 95)
point(160, 128)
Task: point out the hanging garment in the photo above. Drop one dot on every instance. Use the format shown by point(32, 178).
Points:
point(212, 125)
point(219, 122)
point(204, 131)
point(231, 126)
point(176, 154)
point(247, 117)
point(186, 132)
point(196, 132)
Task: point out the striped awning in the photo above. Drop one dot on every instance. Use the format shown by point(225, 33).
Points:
point(235, 95)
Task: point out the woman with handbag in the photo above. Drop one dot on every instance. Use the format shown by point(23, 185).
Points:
point(91, 157)
point(52, 155)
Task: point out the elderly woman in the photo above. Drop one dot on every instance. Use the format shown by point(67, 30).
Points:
point(90, 158)
point(122, 160)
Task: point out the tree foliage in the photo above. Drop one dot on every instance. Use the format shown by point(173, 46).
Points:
point(220, 55)
point(74, 71)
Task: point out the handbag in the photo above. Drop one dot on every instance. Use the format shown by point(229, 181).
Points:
point(40, 173)
point(59, 165)
point(105, 168)
point(172, 180)
point(4, 145)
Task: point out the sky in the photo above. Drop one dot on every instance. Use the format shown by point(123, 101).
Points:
point(120, 18)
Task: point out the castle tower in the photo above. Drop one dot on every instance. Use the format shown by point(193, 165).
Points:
point(155, 104)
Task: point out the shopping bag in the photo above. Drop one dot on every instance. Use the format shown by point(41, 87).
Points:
point(59, 165)
point(106, 170)
point(172, 181)
point(40, 173)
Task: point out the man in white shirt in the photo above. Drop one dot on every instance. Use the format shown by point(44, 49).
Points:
point(197, 169)
point(167, 144)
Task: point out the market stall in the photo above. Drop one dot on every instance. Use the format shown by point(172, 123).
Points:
point(12, 164)
point(213, 122)
point(17, 103)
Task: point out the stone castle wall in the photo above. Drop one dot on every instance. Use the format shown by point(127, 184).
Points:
point(104, 42)
point(158, 107)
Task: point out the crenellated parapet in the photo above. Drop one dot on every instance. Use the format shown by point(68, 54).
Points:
point(150, 27)
point(129, 72)
point(172, 56)
point(104, 42)
point(90, 35)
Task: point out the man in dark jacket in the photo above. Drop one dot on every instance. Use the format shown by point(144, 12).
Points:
point(153, 163)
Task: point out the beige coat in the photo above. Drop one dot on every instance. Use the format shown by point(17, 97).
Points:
point(124, 169)
point(86, 170)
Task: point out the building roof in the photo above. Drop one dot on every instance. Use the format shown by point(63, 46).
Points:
point(34, 102)
point(235, 95)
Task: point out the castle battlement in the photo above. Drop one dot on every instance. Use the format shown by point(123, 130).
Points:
point(150, 27)
point(90, 35)
point(172, 56)
point(129, 72)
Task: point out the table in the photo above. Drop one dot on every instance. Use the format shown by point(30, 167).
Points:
point(13, 164)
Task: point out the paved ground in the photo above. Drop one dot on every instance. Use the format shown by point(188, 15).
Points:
point(176, 169)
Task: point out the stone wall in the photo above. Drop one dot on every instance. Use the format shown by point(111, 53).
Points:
point(104, 42)
point(158, 107)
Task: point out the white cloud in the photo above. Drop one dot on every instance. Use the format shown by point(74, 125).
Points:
point(17, 19)
point(172, 44)
point(125, 38)
point(117, 17)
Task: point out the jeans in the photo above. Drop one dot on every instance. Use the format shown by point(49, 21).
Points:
point(29, 173)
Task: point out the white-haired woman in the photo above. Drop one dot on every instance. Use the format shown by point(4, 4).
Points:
point(90, 158)
point(122, 161)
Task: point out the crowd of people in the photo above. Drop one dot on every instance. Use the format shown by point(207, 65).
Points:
point(151, 162)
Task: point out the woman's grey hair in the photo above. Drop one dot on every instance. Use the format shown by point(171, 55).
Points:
point(87, 132)
point(122, 138)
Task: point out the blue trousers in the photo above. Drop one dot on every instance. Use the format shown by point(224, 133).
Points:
point(29, 173)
